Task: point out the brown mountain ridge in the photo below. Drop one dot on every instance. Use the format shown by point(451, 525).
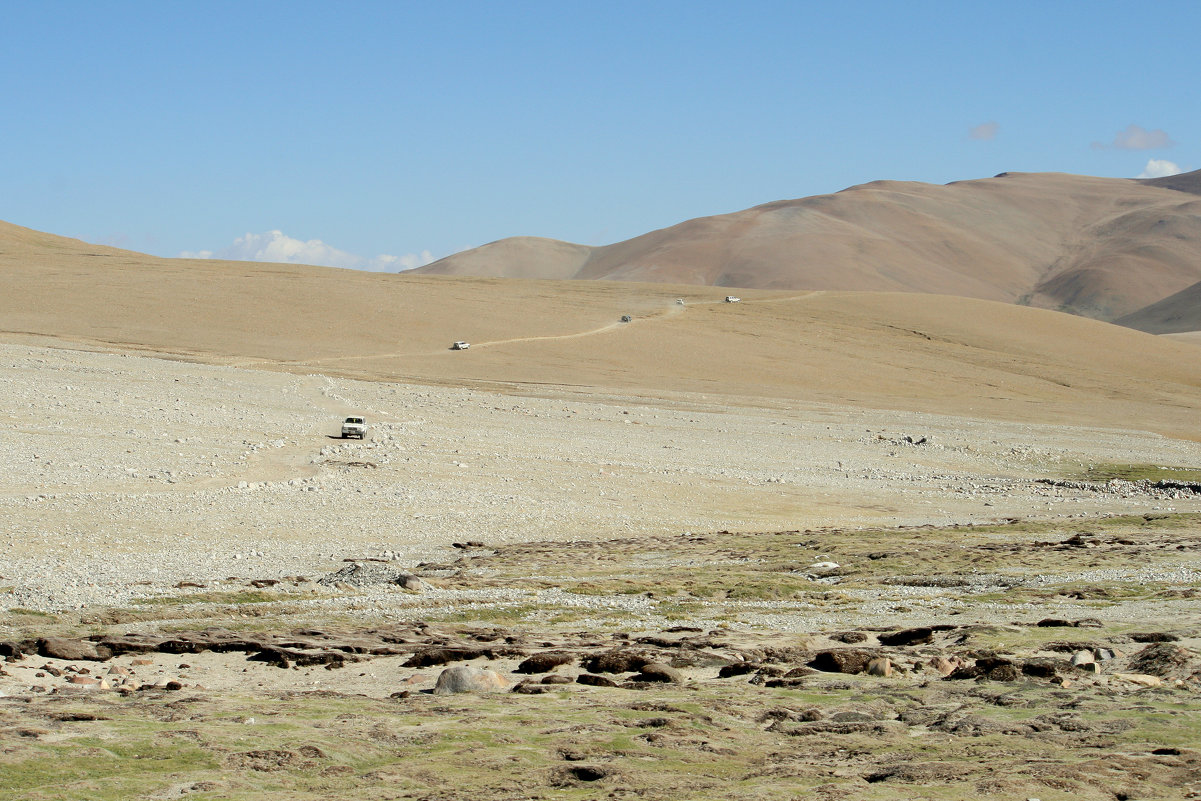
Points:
point(1096, 247)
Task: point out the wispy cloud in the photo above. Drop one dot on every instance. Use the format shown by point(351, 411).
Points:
point(276, 246)
point(1136, 137)
point(984, 131)
point(1159, 168)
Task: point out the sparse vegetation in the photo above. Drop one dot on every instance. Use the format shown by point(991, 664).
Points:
point(1137, 472)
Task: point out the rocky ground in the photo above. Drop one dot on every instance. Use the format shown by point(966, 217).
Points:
point(210, 595)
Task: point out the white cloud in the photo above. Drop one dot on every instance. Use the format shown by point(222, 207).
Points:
point(413, 260)
point(1136, 137)
point(276, 246)
point(1159, 168)
point(985, 131)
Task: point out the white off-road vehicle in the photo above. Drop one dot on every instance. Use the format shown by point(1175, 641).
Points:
point(354, 427)
point(460, 345)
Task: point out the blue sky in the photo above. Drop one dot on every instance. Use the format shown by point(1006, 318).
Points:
point(381, 135)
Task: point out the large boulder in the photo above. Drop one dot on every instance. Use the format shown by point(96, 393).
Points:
point(469, 679)
point(64, 648)
point(657, 671)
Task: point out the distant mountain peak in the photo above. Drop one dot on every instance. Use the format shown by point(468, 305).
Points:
point(1098, 247)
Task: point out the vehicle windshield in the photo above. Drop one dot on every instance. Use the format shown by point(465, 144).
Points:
point(354, 419)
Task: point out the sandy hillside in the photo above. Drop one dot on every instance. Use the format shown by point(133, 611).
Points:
point(1176, 314)
point(879, 350)
point(1100, 247)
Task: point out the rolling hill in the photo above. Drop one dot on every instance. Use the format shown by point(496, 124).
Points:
point(1097, 247)
point(869, 349)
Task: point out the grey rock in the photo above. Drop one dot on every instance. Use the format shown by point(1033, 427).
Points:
point(469, 679)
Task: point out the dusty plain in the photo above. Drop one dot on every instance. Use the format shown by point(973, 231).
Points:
point(810, 545)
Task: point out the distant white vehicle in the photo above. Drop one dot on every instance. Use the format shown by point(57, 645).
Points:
point(625, 318)
point(354, 427)
point(732, 299)
point(679, 301)
point(460, 346)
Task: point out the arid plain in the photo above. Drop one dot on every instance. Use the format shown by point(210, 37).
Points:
point(815, 543)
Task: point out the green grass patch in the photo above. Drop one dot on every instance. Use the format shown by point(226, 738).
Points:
point(23, 612)
point(235, 598)
point(1138, 472)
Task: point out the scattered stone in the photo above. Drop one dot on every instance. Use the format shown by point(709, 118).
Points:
point(1153, 636)
point(557, 680)
point(1051, 622)
point(849, 637)
point(469, 679)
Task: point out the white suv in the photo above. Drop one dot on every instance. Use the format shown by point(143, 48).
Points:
point(354, 427)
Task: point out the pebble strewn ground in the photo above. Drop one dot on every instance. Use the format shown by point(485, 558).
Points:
point(125, 476)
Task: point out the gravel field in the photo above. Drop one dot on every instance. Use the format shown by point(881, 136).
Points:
point(125, 476)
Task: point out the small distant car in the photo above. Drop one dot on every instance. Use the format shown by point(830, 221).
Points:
point(679, 301)
point(732, 299)
point(460, 346)
point(625, 318)
point(354, 427)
